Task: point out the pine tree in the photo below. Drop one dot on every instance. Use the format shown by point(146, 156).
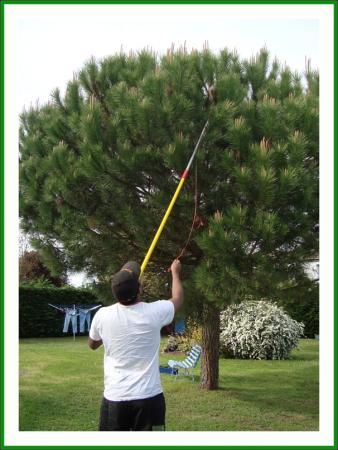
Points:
point(98, 168)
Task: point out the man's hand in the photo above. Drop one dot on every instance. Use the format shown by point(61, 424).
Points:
point(176, 267)
point(177, 288)
point(94, 344)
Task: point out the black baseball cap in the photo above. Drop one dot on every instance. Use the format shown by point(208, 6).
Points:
point(125, 282)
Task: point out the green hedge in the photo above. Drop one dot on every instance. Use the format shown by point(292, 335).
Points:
point(37, 319)
point(303, 306)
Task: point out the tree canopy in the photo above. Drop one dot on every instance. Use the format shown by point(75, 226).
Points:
point(98, 167)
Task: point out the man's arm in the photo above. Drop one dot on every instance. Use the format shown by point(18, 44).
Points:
point(177, 288)
point(94, 344)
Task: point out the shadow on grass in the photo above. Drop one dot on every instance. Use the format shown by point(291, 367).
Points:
point(288, 387)
point(285, 389)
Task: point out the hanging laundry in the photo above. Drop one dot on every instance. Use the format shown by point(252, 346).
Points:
point(72, 313)
point(85, 314)
point(71, 316)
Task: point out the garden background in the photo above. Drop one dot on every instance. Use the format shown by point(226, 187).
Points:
point(306, 351)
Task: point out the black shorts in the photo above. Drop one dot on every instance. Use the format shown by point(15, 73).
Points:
point(135, 415)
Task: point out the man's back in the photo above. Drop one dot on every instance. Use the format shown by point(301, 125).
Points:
point(131, 339)
point(130, 332)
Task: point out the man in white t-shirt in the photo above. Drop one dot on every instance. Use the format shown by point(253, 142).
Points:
point(130, 333)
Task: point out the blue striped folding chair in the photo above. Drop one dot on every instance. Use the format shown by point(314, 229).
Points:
point(189, 363)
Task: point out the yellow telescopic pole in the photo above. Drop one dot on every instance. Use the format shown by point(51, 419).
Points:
point(160, 228)
point(171, 204)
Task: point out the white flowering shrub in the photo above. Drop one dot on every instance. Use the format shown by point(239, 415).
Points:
point(258, 330)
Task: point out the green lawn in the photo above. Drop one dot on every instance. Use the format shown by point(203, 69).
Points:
point(61, 388)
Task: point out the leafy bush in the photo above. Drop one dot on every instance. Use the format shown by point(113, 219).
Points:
point(258, 330)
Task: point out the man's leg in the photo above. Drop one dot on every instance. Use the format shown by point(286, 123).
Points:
point(115, 416)
point(149, 414)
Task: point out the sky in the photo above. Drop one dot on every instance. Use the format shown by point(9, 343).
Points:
point(50, 43)
point(53, 41)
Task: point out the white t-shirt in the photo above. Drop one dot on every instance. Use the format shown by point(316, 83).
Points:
point(131, 339)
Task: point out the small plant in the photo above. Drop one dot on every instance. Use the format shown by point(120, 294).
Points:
point(172, 344)
point(258, 330)
point(192, 336)
point(184, 342)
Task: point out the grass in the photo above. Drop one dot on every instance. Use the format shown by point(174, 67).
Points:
point(61, 383)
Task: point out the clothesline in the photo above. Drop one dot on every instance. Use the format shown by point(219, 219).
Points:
point(61, 307)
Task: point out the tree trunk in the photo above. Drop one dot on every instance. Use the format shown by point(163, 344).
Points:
point(210, 345)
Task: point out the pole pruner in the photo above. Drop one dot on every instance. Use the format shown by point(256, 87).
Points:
point(173, 200)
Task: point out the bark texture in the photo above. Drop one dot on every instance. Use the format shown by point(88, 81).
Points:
point(210, 345)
